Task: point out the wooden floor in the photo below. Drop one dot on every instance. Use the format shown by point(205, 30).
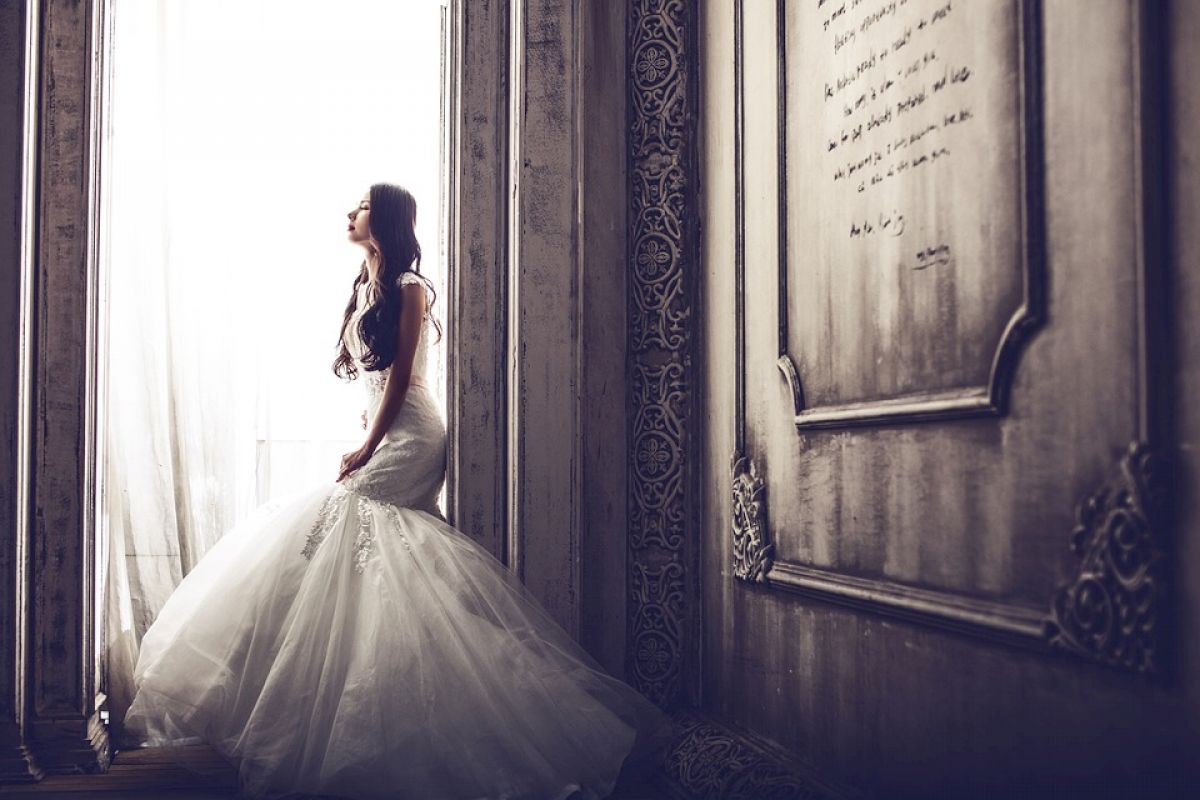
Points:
point(182, 773)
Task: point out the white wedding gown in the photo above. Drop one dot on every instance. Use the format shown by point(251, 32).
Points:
point(349, 642)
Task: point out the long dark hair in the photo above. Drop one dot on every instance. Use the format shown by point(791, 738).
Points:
point(393, 225)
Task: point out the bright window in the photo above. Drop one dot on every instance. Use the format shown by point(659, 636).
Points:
point(240, 134)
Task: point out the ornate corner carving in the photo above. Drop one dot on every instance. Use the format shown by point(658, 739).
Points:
point(753, 554)
point(710, 760)
point(1111, 610)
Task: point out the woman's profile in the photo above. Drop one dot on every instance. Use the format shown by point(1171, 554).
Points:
point(349, 642)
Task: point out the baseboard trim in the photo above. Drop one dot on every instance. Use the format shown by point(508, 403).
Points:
point(66, 747)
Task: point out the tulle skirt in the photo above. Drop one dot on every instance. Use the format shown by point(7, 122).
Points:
point(341, 645)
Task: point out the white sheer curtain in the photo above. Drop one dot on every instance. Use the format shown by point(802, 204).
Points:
point(240, 133)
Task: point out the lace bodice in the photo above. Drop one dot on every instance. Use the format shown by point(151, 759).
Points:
point(376, 380)
point(409, 466)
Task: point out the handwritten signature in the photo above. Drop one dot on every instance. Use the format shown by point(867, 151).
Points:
point(937, 255)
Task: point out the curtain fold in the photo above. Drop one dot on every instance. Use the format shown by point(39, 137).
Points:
point(240, 133)
point(174, 480)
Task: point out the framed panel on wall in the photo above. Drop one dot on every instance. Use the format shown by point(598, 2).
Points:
point(959, 438)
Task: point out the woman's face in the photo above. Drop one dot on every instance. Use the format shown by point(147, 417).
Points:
point(359, 229)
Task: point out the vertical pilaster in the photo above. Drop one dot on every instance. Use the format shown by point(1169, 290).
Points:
point(545, 344)
point(18, 118)
point(477, 320)
point(602, 314)
point(65, 729)
point(663, 276)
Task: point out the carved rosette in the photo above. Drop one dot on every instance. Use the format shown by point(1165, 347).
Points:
point(752, 554)
point(660, 157)
point(657, 630)
point(657, 513)
point(657, 517)
point(662, 493)
point(1110, 611)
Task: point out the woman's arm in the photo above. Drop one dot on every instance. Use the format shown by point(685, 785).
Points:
point(408, 334)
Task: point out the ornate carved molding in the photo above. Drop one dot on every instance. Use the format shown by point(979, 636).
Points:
point(657, 630)
point(712, 760)
point(986, 619)
point(1111, 609)
point(663, 491)
point(657, 529)
point(660, 153)
point(752, 553)
point(657, 514)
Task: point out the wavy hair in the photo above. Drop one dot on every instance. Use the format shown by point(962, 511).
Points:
point(393, 227)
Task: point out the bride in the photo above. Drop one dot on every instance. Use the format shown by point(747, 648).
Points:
point(349, 642)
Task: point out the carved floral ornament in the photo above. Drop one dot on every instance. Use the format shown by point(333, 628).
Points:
point(709, 760)
point(661, 287)
point(1110, 611)
point(752, 553)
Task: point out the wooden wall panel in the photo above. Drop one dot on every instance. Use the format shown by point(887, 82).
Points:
point(545, 496)
point(64, 696)
point(914, 266)
point(477, 323)
point(889, 503)
point(887, 533)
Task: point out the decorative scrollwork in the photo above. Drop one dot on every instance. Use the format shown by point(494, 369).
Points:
point(752, 553)
point(658, 512)
point(661, 291)
point(656, 637)
point(708, 760)
point(660, 306)
point(1109, 612)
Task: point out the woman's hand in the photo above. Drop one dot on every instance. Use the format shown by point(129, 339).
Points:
point(355, 460)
